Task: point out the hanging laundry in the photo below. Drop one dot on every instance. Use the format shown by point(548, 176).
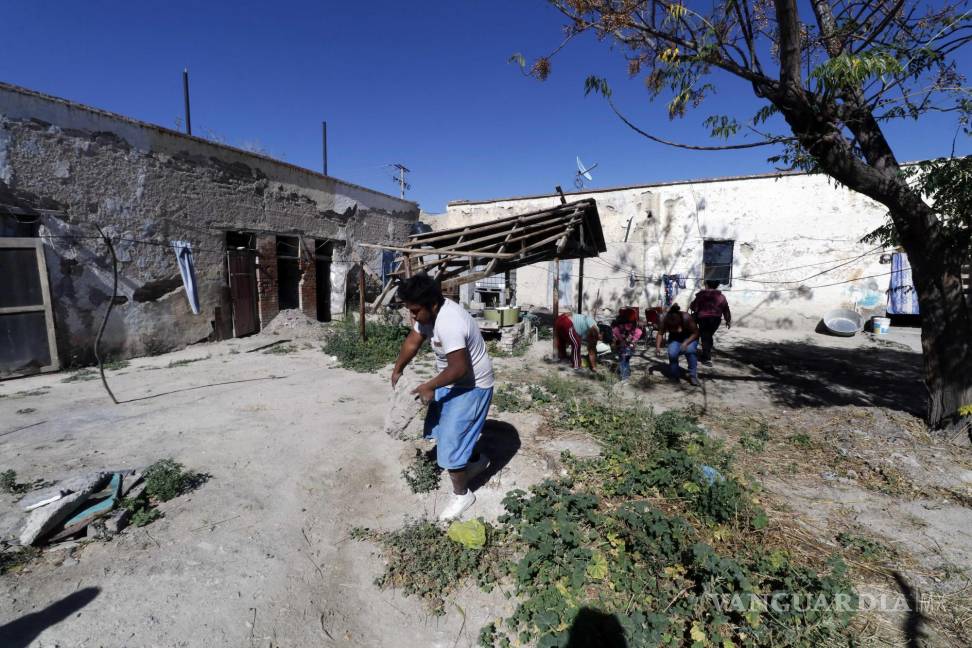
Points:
point(673, 283)
point(188, 271)
point(902, 296)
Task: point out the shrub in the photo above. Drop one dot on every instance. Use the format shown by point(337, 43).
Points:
point(166, 479)
point(380, 349)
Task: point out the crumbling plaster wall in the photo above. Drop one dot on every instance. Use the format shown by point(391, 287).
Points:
point(144, 183)
point(778, 224)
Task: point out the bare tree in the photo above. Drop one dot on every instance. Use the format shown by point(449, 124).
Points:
point(834, 77)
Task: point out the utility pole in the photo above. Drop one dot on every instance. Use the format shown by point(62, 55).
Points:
point(185, 99)
point(324, 144)
point(400, 178)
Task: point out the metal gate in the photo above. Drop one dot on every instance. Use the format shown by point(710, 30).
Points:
point(243, 291)
point(27, 343)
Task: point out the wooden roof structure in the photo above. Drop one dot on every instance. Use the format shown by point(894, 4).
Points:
point(456, 256)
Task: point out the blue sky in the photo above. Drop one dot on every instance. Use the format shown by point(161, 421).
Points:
point(423, 83)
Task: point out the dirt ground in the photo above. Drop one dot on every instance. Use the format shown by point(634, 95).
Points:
point(260, 554)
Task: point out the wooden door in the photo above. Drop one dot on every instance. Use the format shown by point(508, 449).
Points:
point(243, 291)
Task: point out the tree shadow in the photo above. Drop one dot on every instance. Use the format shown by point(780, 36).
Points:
point(500, 441)
point(912, 625)
point(22, 632)
point(595, 629)
point(803, 374)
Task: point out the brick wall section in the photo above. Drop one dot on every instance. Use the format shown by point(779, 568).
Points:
point(267, 294)
point(308, 280)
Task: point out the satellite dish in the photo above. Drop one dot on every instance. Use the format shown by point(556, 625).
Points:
point(583, 173)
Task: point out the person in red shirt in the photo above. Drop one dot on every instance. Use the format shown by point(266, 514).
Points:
point(709, 307)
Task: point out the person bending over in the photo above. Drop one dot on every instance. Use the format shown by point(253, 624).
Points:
point(460, 394)
point(683, 339)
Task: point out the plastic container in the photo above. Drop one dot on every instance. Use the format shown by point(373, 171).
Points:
point(880, 325)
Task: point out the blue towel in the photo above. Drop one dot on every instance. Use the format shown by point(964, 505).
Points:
point(902, 296)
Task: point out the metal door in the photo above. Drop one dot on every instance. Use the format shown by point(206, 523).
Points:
point(27, 342)
point(243, 291)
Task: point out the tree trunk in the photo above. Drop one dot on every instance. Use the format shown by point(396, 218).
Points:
point(946, 334)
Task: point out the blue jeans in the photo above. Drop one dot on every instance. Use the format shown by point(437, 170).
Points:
point(677, 348)
point(624, 362)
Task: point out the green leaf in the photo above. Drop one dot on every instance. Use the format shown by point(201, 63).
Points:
point(597, 568)
point(597, 85)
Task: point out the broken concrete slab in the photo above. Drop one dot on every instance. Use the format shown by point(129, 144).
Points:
point(42, 520)
point(403, 408)
point(117, 521)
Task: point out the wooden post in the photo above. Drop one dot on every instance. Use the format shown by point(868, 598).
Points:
point(556, 305)
point(580, 287)
point(361, 300)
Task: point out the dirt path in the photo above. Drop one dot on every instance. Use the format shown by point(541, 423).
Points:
point(260, 554)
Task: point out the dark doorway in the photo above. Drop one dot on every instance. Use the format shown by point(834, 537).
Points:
point(323, 253)
point(288, 272)
point(241, 270)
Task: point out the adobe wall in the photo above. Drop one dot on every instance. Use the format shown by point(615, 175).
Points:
point(83, 168)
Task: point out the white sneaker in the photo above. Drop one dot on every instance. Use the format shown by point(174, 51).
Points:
point(476, 467)
point(457, 506)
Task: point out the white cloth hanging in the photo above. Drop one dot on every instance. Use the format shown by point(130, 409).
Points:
point(187, 269)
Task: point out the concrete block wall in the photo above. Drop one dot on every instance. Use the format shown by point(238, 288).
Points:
point(81, 167)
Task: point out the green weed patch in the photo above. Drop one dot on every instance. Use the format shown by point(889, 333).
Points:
point(380, 349)
point(423, 474)
point(655, 534)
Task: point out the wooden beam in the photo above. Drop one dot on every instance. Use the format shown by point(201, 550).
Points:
point(423, 252)
point(501, 221)
point(555, 307)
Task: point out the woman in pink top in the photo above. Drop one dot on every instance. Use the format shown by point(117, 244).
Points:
point(626, 335)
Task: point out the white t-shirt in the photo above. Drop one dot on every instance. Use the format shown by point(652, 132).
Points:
point(455, 329)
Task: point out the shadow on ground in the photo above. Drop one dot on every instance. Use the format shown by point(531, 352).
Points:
point(500, 441)
point(801, 374)
point(595, 629)
point(22, 632)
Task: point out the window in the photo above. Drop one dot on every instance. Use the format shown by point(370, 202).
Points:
point(717, 261)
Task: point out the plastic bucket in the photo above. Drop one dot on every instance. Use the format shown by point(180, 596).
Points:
point(880, 325)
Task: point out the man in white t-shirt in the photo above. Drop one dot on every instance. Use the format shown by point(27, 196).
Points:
point(460, 394)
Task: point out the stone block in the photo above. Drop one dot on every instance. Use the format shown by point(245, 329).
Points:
point(403, 408)
point(44, 519)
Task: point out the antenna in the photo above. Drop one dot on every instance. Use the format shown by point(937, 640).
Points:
point(185, 98)
point(583, 173)
point(400, 178)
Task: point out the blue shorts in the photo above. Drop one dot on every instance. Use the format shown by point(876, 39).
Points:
point(455, 420)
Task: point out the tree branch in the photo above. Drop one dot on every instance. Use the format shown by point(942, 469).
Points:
point(694, 147)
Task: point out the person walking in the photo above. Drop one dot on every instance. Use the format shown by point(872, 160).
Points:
point(625, 335)
point(683, 339)
point(460, 394)
point(710, 306)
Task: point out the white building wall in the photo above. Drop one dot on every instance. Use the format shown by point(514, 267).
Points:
point(786, 228)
